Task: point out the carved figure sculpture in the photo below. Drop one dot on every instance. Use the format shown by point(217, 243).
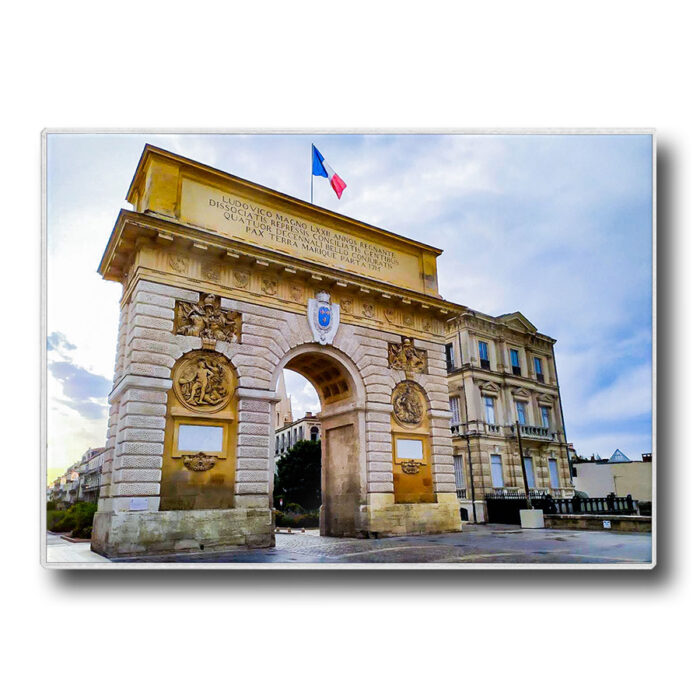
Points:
point(408, 403)
point(203, 381)
point(405, 356)
point(206, 320)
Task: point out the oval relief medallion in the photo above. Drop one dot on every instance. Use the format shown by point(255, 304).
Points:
point(204, 382)
point(408, 403)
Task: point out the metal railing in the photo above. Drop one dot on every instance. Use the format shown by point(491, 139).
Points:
point(504, 506)
point(476, 426)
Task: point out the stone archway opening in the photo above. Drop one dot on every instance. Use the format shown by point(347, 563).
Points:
point(339, 431)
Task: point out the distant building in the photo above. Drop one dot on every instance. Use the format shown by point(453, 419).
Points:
point(284, 405)
point(80, 482)
point(618, 474)
point(90, 470)
point(306, 428)
point(502, 380)
point(289, 431)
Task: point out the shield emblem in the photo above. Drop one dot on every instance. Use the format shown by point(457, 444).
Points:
point(324, 315)
point(324, 318)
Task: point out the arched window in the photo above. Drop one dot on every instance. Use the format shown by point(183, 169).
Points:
point(277, 444)
point(314, 433)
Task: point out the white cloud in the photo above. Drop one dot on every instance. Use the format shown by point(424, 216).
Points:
point(556, 227)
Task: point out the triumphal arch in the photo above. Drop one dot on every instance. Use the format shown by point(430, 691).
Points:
point(225, 284)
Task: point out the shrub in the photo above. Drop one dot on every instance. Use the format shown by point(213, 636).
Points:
point(77, 520)
point(83, 513)
point(296, 520)
point(60, 521)
point(298, 478)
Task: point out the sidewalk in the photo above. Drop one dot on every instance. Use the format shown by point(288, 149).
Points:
point(60, 551)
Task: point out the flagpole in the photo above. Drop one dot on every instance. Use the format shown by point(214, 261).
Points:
point(312, 173)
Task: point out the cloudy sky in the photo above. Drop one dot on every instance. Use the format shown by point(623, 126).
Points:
point(557, 227)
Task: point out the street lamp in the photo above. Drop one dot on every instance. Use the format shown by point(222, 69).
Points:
point(522, 466)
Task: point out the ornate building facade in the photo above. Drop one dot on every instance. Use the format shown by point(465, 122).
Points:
point(306, 428)
point(502, 380)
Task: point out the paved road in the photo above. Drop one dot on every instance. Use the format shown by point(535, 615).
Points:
point(477, 544)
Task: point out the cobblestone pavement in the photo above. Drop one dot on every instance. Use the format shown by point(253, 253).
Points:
point(477, 544)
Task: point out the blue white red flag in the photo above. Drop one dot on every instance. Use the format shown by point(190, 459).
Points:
point(320, 167)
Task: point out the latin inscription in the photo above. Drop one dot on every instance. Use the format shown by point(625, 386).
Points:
point(286, 231)
point(304, 239)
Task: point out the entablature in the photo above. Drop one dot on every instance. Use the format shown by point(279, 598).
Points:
point(144, 246)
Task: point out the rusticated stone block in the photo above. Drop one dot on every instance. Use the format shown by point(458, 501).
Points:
point(144, 409)
point(133, 488)
point(138, 462)
point(257, 487)
point(151, 310)
point(136, 475)
point(139, 448)
point(142, 297)
point(136, 421)
point(142, 435)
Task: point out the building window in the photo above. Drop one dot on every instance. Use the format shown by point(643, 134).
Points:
point(455, 418)
point(459, 475)
point(544, 410)
point(484, 355)
point(277, 444)
point(496, 472)
point(521, 409)
point(529, 473)
point(489, 409)
point(538, 370)
point(450, 357)
point(314, 434)
point(553, 474)
point(515, 362)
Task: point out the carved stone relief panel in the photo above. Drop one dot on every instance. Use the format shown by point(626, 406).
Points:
point(177, 261)
point(211, 271)
point(207, 320)
point(390, 315)
point(408, 403)
point(200, 462)
point(296, 292)
point(269, 286)
point(368, 310)
point(405, 356)
point(204, 381)
point(241, 278)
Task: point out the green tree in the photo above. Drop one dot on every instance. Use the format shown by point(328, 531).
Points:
point(298, 478)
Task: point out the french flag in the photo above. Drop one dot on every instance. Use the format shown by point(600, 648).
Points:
point(320, 167)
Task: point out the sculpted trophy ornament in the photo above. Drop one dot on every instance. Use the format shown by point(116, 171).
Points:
point(206, 320)
point(204, 381)
point(324, 318)
point(405, 356)
point(408, 403)
point(200, 462)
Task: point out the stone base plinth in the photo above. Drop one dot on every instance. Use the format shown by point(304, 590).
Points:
point(531, 518)
point(381, 517)
point(618, 523)
point(129, 534)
